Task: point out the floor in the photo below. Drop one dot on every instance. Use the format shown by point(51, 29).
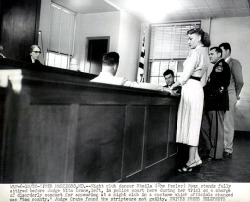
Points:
point(234, 169)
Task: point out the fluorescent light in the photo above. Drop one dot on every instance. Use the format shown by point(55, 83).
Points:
point(153, 10)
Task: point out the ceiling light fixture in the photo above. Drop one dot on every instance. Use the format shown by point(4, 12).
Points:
point(154, 10)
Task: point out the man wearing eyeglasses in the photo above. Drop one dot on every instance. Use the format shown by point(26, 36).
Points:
point(35, 51)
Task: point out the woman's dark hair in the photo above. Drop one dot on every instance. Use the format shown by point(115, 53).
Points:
point(205, 38)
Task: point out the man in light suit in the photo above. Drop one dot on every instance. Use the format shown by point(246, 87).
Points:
point(234, 89)
point(110, 62)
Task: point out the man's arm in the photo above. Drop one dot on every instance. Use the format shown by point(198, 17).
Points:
point(149, 86)
point(238, 77)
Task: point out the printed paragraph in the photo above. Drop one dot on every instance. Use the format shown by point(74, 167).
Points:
point(121, 192)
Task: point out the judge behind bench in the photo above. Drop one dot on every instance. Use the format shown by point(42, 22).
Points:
point(34, 52)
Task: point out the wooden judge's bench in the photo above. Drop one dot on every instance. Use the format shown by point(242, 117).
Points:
point(57, 127)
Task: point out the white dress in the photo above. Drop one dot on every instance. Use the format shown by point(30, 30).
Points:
point(192, 97)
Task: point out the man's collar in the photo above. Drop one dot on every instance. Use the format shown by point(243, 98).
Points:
point(227, 59)
point(106, 73)
point(218, 61)
point(32, 59)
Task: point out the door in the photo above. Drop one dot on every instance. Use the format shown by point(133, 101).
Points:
point(97, 47)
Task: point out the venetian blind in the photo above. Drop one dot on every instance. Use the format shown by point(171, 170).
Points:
point(62, 26)
point(169, 41)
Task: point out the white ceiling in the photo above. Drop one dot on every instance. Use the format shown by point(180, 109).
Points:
point(186, 10)
point(86, 6)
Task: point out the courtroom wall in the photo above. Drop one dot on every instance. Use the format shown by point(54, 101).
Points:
point(122, 28)
point(43, 39)
point(128, 46)
point(123, 32)
point(236, 31)
point(96, 25)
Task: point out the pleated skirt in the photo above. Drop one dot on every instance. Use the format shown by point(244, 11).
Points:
point(190, 113)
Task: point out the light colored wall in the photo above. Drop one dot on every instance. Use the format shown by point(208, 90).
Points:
point(122, 28)
point(43, 40)
point(124, 33)
point(128, 46)
point(95, 25)
point(236, 31)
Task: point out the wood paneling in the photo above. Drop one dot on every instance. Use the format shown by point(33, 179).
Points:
point(19, 26)
point(2, 99)
point(99, 143)
point(57, 131)
point(157, 134)
point(134, 141)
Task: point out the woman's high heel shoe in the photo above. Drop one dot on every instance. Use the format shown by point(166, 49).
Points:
point(187, 168)
point(190, 168)
point(199, 163)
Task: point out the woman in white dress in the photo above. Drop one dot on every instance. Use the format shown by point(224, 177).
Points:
point(192, 96)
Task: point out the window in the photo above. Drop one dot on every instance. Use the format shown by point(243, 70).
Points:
point(168, 49)
point(62, 31)
point(58, 60)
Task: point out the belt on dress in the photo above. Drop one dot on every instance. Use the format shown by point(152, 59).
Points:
point(195, 78)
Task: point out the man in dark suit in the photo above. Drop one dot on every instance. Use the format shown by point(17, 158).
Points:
point(34, 52)
point(216, 103)
point(234, 89)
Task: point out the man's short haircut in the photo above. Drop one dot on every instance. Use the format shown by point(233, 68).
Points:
point(168, 71)
point(226, 46)
point(217, 49)
point(33, 47)
point(111, 58)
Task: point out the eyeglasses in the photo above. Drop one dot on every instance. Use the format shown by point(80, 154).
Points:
point(39, 52)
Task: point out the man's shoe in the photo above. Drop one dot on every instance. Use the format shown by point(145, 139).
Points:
point(213, 159)
point(209, 158)
point(227, 154)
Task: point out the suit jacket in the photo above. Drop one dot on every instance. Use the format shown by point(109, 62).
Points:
point(215, 91)
point(28, 59)
point(236, 81)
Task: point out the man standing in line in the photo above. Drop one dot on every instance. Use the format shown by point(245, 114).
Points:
point(234, 89)
point(216, 103)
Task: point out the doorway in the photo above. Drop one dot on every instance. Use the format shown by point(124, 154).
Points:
point(96, 48)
